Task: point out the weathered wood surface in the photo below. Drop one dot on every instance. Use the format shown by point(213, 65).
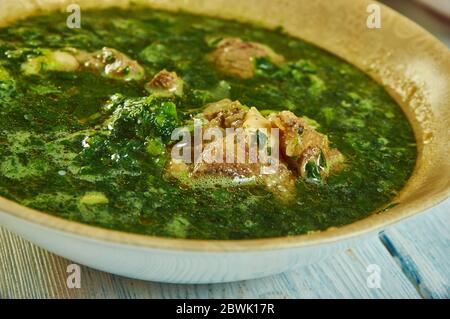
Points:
point(413, 257)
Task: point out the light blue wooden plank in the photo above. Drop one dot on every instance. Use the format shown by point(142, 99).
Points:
point(421, 247)
point(341, 276)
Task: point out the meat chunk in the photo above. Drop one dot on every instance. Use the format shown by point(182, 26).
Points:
point(305, 150)
point(111, 63)
point(299, 151)
point(224, 114)
point(225, 161)
point(207, 173)
point(235, 57)
point(165, 83)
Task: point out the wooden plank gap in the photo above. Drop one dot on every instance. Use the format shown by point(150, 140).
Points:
point(407, 266)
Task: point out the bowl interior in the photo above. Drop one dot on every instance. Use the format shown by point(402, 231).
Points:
point(413, 66)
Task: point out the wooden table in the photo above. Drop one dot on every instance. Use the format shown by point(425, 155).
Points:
point(413, 257)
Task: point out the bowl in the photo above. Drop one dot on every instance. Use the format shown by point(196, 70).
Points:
point(410, 63)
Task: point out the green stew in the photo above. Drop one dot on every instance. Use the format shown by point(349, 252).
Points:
point(87, 116)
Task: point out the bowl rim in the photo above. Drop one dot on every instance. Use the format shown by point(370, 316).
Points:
point(368, 224)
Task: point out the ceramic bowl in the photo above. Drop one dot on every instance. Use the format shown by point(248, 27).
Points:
point(412, 65)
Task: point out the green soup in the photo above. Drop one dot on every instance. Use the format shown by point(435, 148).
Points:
point(118, 182)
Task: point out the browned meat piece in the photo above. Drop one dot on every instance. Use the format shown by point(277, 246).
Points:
point(235, 57)
point(224, 114)
point(281, 182)
point(208, 173)
point(165, 83)
point(216, 163)
point(301, 144)
point(111, 63)
point(302, 152)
